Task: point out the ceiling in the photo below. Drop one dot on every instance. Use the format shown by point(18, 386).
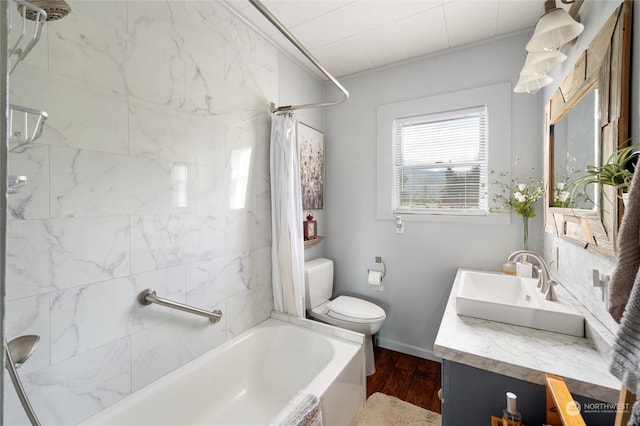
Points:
point(347, 37)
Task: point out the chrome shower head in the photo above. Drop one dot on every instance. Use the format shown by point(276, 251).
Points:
point(16, 353)
point(56, 9)
point(21, 348)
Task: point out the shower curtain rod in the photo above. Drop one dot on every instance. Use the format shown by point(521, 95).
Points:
point(285, 32)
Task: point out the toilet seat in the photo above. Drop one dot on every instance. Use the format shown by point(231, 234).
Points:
point(355, 310)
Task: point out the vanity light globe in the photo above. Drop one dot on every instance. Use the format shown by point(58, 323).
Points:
point(532, 83)
point(542, 62)
point(555, 28)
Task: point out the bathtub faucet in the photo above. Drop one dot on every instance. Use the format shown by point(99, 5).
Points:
point(544, 277)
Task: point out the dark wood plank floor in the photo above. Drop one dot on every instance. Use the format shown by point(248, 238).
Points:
point(410, 378)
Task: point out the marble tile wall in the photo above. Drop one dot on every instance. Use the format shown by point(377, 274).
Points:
point(152, 172)
point(574, 270)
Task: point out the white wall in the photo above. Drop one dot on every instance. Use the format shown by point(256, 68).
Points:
point(421, 264)
point(575, 265)
point(131, 186)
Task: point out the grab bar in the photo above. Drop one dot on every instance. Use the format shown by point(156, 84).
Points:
point(285, 32)
point(149, 296)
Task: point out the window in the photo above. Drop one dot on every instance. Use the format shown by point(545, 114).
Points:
point(440, 163)
point(434, 154)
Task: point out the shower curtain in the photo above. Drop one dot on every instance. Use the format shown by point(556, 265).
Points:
point(287, 253)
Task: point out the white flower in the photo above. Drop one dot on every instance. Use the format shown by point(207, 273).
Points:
point(560, 186)
point(518, 196)
point(564, 196)
point(522, 187)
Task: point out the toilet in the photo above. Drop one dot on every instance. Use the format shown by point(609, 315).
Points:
point(346, 312)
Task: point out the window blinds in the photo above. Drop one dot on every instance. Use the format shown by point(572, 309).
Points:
point(441, 163)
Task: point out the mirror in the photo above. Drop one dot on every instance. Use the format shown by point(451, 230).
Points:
point(576, 145)
point(587, 119)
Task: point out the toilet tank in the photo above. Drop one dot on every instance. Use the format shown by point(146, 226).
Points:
point(318, 280)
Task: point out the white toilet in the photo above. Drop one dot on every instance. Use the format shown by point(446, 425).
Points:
point(346, 312)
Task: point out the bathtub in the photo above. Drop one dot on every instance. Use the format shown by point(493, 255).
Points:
point(250, 378)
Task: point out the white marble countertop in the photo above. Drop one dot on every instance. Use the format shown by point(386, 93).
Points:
point(524, 353)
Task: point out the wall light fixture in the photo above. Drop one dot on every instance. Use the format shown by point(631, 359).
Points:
point(554, 29)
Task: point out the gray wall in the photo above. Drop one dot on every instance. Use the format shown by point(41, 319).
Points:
point(303, 88)
point(421, 263)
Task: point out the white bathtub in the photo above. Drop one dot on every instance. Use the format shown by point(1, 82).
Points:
point(247, 381)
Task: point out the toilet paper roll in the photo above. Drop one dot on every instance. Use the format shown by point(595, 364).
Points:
point(375, 278)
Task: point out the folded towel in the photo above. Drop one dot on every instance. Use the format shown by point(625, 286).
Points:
point(625, 352)
point(302, 410)
point(628, 258)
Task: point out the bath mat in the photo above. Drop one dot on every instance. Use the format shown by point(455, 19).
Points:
point(385, 410)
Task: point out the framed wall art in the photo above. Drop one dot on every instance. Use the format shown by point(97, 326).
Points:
point(311, 156)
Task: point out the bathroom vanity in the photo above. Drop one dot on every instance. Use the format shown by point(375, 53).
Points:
point(483, 360)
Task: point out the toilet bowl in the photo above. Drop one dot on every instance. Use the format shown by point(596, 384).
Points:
point(346, 312)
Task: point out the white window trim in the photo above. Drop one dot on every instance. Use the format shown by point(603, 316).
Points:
point(497, 97)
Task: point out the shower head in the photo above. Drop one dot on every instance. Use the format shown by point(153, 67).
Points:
point(16, 353)
point(21, 348)
point(56, 9)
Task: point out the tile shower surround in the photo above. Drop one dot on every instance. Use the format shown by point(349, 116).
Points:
point(152, 172)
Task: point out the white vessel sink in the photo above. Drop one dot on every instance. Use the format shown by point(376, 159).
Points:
point(504, 298)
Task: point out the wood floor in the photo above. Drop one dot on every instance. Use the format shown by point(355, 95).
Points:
point(412, 379)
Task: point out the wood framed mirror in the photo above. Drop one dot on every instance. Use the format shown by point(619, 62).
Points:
point(586, 120)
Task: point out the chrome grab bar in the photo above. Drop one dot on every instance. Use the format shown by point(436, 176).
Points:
point(148, 296)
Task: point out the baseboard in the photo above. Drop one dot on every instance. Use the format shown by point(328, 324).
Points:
point(407, 349)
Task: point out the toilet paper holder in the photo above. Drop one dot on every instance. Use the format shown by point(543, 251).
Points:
point(384, 267)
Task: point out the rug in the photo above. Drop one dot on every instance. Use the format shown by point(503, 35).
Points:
point(385, 410)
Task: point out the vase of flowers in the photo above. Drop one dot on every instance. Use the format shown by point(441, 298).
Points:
point(520, 196)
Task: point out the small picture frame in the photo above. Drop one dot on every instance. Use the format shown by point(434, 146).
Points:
point(310, 228)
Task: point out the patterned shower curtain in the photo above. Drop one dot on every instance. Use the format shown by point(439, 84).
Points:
point(287, 253)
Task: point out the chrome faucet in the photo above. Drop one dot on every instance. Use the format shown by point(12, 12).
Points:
point(544, 277)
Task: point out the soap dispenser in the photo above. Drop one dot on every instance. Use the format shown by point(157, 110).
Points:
point(510, 415)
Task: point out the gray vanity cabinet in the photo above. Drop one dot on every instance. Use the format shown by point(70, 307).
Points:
point(471, 396)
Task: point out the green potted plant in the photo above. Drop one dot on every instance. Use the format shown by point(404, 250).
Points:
point(616, 172)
